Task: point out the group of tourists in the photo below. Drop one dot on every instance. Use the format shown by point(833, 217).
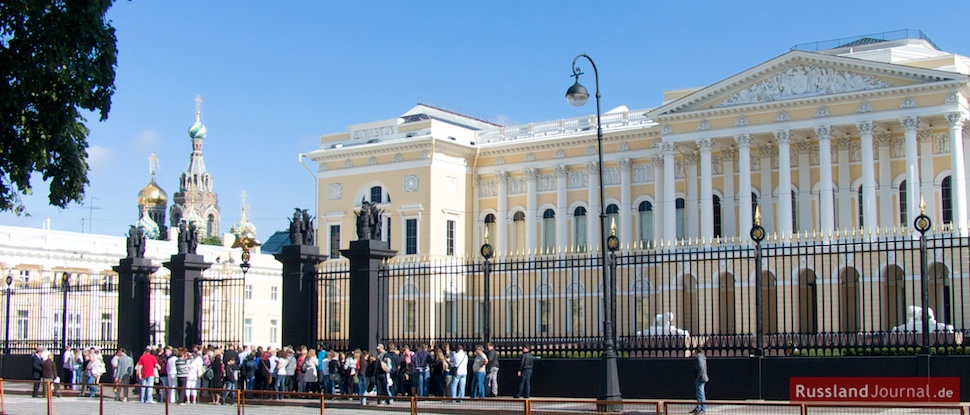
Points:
point(180, 373)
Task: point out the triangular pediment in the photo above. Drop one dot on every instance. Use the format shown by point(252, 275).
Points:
point(799, 75)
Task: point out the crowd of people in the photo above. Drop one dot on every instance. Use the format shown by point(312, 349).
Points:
point(358, 374)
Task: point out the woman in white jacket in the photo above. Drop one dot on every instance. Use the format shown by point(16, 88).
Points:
point(192, 382)
point(96, 369)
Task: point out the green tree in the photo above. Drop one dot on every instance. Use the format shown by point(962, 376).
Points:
point(57, 58)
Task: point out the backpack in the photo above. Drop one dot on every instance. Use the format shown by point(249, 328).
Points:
point(208, 374)
point(385, 364)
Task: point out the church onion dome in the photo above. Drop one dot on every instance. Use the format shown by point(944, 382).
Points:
point(244, 226)
point(152, 195)
point(148, 226)
point(197, 130)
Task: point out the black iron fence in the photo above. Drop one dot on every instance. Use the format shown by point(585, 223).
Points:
point(845, 294)
point(59, 310)
point(333, 308)
point(221, 307)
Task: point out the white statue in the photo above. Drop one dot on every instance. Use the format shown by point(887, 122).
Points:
point(664, 325)
point(914, 321)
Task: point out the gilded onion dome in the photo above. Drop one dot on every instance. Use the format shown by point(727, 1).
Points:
point(152, 195)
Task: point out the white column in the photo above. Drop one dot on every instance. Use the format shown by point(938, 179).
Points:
point(707, 191)
point(826, 202)
point(530, 210)
point(479, 239)
point(805, 216)
point(729, 218)
point(868, 175)
point(912, 168)
point(625, 224)
point(670, 207)
point(886, 205)
point(658, 196)
point(845, 219)
point(924, 139)
point(784, 223)
point(501, 245)
point(562, 174)
point(767, 216)
point(593, 215)
point(690, 170)
point(745, 213)
point(958, 173)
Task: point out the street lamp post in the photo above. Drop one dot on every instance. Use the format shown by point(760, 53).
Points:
point(487, 253)
point(6, 336)
point(66, 283)
point(577, 95)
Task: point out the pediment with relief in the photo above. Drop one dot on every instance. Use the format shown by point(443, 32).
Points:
point(799, 75)
point(802, 81)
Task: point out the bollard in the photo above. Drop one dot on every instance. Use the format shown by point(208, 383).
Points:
point(414, 406)
point(238, 402)
point(47, 394)
point(322, 401)
point(101, 397)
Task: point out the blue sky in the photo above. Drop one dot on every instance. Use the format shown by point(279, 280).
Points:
point(274, 76)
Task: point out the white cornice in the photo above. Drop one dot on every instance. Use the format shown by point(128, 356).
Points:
point(795, 57)
point(811, 101)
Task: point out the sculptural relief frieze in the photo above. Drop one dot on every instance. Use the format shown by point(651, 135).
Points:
point(802, 81)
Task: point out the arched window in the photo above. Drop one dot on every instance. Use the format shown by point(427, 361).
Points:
point(645, 213)
point(612, 216)
point(681, 219)
point(579, 229)
point(489, 227)
point(210, 226)
point(717, 216)
point(518, 232)
point(947, 198)
point(548, 231)
point(903, 208)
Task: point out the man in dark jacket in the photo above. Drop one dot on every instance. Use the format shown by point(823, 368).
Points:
point(525, 373)
point(491, 370)
point(37, 368)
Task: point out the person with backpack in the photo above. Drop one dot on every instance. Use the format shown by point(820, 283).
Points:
point(382, 375)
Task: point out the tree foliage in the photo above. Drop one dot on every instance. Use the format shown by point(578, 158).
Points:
point(57, 58)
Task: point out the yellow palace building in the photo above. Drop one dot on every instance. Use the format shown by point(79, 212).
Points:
point(828, 142)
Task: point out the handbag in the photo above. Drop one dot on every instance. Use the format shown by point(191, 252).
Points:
point(335, 377)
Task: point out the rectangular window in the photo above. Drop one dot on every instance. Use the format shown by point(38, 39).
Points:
point(74, 325)
point(450, 237)
point(411, 237)
point(107, 326)
point(274, 293)
point(248, 331)
point(273, 331)
point(334, 241)
point(387, 231)
point(23, 322)
point(545, 311)
point(249, 291)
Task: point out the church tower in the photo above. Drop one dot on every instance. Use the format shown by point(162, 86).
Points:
point(152, 202)
point(195, 202)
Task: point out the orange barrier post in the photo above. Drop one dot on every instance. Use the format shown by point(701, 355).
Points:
point(238, 402)
point(528, 410)
point(168, 397)
point(3, 408)
point(101, 398)
point(322, 400)
point(414, 406)
point(47, 394)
